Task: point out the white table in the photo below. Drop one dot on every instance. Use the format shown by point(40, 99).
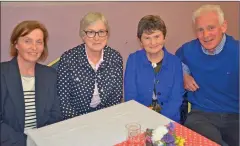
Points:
point(105, 127)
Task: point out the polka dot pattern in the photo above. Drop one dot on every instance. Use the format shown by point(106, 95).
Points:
point(191, 138)
point(139, 140)
point(76, 81)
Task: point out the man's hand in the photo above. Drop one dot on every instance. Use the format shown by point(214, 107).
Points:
point(189, 83)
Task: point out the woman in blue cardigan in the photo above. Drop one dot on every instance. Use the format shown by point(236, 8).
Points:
point(153, 76)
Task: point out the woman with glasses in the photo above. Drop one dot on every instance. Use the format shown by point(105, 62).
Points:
point(153, 76)
point(90, 75)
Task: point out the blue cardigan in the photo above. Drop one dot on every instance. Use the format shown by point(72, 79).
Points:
point(217, 76)
point(139, 82)
point(12, 111)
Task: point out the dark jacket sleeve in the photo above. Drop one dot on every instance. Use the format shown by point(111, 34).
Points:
point(9, 137)
point(55, 113)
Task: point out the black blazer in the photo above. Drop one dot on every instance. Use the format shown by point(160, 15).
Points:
point(12, 101)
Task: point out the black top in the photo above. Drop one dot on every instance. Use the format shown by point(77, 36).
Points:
point(155, 105)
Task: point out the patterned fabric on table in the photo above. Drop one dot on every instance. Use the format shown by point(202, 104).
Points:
point(191, 138)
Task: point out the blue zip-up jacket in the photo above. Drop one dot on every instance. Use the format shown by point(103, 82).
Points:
point(139, 82)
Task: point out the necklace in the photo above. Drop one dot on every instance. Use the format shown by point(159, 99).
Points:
point(154, 65)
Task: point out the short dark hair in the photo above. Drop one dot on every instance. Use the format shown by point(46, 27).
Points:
point(23, 29)
point(149, 24)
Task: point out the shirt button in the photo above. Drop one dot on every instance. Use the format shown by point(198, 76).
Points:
point(159, 93)
point(157, 81)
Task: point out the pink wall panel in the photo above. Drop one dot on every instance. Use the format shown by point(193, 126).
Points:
point(62, 20)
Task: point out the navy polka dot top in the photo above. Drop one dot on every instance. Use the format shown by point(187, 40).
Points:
point(76, 81)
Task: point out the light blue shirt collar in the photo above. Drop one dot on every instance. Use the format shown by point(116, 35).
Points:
point(218, 49)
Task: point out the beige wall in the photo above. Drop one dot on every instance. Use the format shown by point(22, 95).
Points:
point(62, 20)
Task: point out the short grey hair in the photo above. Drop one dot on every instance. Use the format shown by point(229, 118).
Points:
point(91, 18)
point(209, 8)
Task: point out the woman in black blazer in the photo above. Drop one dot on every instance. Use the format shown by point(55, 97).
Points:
point(28, 89)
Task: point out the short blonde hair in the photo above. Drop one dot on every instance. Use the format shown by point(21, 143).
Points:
point(91, 18)
point(23, 29)
point(209, 8)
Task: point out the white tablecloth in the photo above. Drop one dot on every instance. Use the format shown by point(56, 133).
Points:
point(105, 127)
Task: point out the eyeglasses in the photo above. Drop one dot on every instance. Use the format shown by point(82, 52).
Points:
point(100, 33)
